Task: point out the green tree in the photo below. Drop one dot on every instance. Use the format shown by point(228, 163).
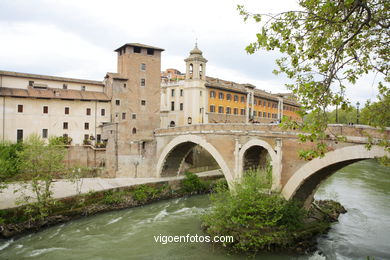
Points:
point(9, 166)
point(257, 219)
point(39, 163)
point(327, 45)
point(378, 113)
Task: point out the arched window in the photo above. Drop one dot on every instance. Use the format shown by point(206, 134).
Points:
point(172, 124)
point(201, 71)
point(134, 131)
point(191, 70)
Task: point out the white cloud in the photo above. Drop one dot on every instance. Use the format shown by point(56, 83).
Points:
point(76, 38)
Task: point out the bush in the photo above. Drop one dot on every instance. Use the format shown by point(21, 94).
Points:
point(114, 197)
point(9, 161)
point(256, 219)
point(144, 192)
point(192, 183)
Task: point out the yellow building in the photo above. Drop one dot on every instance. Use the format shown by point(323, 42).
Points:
point(200, 99)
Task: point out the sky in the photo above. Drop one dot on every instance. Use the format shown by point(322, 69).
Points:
point(77, 38)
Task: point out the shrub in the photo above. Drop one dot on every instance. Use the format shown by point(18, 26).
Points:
point(9, 161)
point(192, 183)
point(113, 197)
point(256, 219)
point(144, 192)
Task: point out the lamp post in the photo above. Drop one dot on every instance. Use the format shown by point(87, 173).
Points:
point(357, 112)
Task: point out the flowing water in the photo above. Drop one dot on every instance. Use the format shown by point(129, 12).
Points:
point(363, 188)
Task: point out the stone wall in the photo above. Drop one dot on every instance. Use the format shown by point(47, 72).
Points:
point(85, 156)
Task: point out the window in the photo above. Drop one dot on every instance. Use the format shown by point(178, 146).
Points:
point(86, 137)
point(65, 125)
point(44, 133)
point(64, 86)
point(82, 88)
point(123, 116)
point(264, 114)
point(269, 115)
point(31, 83)
point(235, 98)
point(143, 66)
point(137, 49)
point(124, 85)
point(172, 92)
point(212, 94)
point(102, 112)
point(142, 82)
point(259, 114)
point(19, 135)
point(228, 97)
point(181, 106)
point(220, 109)
point(86, 126)
point(143, 102)
point(181, 92)
point(134, 131)
point(228, 110)
point(264, 103)
point(150, 51)
point(269, 104)
point(242, 99)
point(200, 93)
point(172, 106)
point(45, 109)
point(235, 111)
point(98, 138)
point(259, 102)
point(242, 112)
point(117, 102)
point(212, 109)
point(88, 111)
point(254, 113)
point(66, 110)
point(20, 108)
point(255, 102)
point(134, 116)
point(220, 95)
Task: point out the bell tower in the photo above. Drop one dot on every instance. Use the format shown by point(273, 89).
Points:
point(196, 65)
point(195, 91)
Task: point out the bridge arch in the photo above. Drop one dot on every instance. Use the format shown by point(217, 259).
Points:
point(182, 145)
point(304, 182)
point(271, 152)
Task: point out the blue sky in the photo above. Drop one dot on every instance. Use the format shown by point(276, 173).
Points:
point(76, 38)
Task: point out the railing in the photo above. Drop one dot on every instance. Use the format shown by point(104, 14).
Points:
point(358, 131)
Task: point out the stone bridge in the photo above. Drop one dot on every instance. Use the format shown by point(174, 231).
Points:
point(236, 147)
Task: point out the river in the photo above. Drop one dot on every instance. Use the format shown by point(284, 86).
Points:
point(363, 188)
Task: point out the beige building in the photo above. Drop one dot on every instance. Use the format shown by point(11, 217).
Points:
point(199, 99)
point(52, 106)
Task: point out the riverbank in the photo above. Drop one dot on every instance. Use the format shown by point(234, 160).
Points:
point(17, 221)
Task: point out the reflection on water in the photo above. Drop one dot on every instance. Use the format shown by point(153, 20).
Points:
point(363, 188)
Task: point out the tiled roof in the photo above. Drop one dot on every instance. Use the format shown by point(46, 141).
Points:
point(62, 79)
point(115, 76)
point(139, 45)
point(241, 88)
point(51, 93)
